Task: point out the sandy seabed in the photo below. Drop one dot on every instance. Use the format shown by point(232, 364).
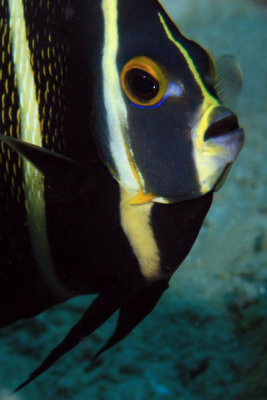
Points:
point(207, 338)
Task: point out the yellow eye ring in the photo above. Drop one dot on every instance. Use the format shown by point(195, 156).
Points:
point(143, 81)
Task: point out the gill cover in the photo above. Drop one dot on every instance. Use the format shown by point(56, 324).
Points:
point(159, 101)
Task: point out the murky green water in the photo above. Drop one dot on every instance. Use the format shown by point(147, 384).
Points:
point(207, 338)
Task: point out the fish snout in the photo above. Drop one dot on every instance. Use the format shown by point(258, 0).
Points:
point(224, 131)
point(217, 140)
point(222, 121)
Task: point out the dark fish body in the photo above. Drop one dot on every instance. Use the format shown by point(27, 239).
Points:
point(76, 83)
point(53, 94)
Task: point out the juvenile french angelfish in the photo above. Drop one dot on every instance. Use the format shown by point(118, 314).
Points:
point(113, 139)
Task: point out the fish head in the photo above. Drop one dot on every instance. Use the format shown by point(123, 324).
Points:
point(168, 137)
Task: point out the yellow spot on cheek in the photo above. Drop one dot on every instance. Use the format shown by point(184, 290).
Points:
point(142, 198)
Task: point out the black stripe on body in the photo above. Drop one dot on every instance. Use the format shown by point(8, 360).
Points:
point(176, 227)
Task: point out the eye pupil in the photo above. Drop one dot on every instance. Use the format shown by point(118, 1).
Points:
point(141, 84)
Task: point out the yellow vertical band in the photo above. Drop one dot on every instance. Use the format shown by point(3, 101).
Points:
point(136, 223)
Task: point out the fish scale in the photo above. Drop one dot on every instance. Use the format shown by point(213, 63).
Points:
point(48, 60)
point(50, 73)
point(11, 182)
point(21, 185)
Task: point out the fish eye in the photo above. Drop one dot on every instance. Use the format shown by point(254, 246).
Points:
point(143, 81)
point(142, 85)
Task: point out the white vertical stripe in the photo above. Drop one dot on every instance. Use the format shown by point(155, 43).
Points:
point(114, 102)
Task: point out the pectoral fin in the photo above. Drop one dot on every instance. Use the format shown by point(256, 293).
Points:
point(132, 312)
point(46, 161)
point(228, 82)
point(66, 176)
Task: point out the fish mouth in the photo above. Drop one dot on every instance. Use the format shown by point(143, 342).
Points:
point(223, 121)
point(232, 141)
point(217, 140)
point(224, 131)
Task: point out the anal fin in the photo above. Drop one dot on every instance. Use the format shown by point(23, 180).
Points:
point(134, 310)
point(99, 311)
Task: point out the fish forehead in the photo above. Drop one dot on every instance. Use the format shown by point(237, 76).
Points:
point(148, 30)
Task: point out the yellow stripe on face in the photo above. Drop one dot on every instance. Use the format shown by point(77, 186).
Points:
point(209, 100)
point(31, 132)
point(116, 110)
point(209, 157)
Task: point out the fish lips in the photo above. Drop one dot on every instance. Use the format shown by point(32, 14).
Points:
point(232, 142)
